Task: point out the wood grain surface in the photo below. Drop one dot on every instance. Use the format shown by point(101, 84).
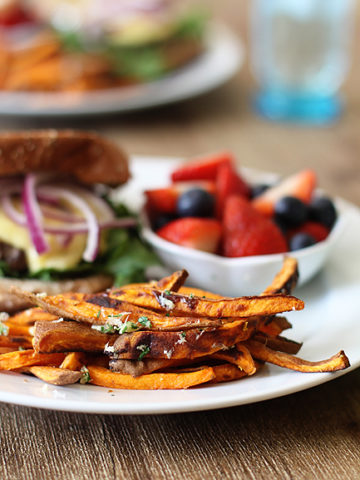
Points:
point(310, 435)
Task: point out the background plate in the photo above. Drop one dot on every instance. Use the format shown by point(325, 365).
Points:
point(222, 58)
point(330, 322)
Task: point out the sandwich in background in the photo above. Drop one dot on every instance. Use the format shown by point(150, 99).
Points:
point(59, 231)
point(87, 45)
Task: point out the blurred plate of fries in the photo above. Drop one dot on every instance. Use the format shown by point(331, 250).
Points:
point(222, 58)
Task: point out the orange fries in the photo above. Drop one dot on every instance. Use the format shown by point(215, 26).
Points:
point(159, 335)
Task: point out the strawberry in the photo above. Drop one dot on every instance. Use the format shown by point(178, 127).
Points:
point(301, 185)
point(162, 200)
point(228, 182)
point(199, 233)
point(318, 231)
point(247, 232)
point(165, 199)
point(202, 169)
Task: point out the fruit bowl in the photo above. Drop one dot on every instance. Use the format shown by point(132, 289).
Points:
point(243, 275)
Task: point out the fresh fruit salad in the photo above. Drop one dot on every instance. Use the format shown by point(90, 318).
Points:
point(210, 206)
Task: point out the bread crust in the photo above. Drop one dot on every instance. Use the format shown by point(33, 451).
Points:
point(11, 303)
point(86, 156)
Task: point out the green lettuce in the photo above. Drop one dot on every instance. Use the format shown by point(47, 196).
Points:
point(142, 62)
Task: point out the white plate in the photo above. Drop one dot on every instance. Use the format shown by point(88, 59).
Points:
point(328, 324)
point(222, 58)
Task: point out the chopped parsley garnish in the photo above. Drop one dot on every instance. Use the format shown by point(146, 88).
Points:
point(183, 334)
point(167, 314)
point(21, 349)
point(167, 292)
point(122, 328)
point(144, 321)
point(85, 375)
point(128, 327)
point(98, 314)
point(107, 328)
point(145, 349)
point(191, 295)
point(4, 330)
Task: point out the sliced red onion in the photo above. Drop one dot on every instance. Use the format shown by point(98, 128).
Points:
point(11, 212)
point(33, 214)
point(73, 229)
point(66, 240)
point(72, 224)
point(106, 212)
point(92, 244)
point(58, 214)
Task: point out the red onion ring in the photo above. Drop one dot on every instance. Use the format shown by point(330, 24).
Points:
point(34, 218)
point(78, 228)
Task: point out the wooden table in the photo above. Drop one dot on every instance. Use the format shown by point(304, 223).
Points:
point(310, 435)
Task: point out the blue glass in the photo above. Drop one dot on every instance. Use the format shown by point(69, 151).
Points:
point(300, 56)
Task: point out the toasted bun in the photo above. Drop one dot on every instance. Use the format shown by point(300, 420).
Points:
point(12, 303)
point(84, 155)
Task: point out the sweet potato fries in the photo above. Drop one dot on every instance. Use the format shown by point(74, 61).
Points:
point(159, 335)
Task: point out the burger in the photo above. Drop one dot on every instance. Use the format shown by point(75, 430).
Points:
point(128, 40)
point(59, 229)
point(142, 39)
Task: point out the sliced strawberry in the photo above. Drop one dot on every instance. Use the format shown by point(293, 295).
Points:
point(228, 182)
point(207, 185)
point(165, 199)
point(199, 233)
point(162, 199)
point(301, 185)
point(247, 232)
point(202, 169)
point(315, 229)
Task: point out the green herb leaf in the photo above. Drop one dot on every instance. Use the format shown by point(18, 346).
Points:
point(145, 349)
point(4, 330)
point(85, 375)
point(107, 328)
point(128, 327)
point(144, 321)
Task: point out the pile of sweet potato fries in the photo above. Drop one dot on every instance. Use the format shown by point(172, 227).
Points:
point(159, 335)
point(43, 65)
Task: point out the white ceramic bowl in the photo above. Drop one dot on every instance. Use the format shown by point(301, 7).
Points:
point(245, 275)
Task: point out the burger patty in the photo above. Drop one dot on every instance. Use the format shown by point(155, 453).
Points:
point(13, 257)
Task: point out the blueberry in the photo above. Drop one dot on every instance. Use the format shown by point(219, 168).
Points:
point(196, 203)
point(280, 224)
point(291, 211)
point(322, 210)
point(257, 190)
point(161, 220)
point(301, 240)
